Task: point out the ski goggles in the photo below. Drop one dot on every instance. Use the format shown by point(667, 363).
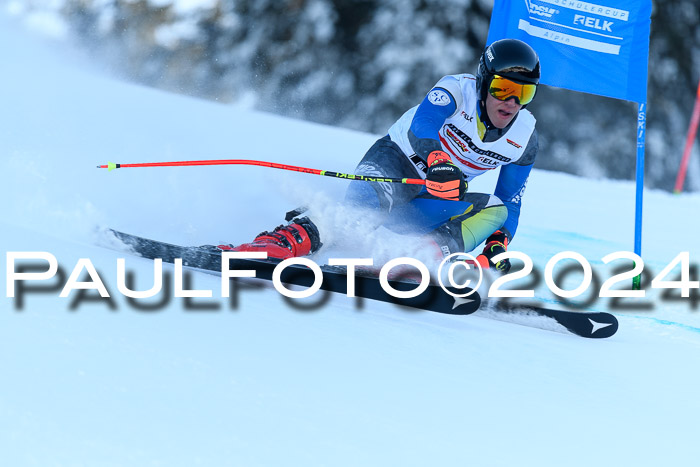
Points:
point(503, 89)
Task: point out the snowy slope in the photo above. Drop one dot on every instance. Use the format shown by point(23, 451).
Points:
point(261, 383)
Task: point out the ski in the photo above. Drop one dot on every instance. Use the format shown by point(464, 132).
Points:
point(208, 258)
point(590, 324)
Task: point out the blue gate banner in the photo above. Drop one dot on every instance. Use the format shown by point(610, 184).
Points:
point(599, 48)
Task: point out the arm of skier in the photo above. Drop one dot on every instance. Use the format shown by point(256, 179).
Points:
point(439, 104)
point(510, 189)
point(511, 185)
point(443, 178)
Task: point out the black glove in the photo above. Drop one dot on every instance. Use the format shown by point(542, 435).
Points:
point(497, 243)
point(444, 179)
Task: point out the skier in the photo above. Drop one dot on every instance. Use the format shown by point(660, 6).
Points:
point(465, 126)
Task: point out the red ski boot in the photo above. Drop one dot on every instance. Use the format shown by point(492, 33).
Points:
point(298, 238)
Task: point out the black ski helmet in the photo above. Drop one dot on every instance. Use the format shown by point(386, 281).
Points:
point(510, 58)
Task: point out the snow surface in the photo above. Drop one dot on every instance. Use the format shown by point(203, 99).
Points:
point(261, 383)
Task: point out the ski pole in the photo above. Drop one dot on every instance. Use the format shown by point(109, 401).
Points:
point(409, 181)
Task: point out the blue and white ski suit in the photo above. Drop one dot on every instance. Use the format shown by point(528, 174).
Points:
point(450, 118)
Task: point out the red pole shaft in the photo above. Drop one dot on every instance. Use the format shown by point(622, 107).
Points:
point(220, 162)
point(408, 181)
point(692, 130)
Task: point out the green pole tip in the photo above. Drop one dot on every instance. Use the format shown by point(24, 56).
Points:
point(636, 282)
point(111, 166)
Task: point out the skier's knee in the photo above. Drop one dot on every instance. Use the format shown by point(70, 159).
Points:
point(475, 229)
